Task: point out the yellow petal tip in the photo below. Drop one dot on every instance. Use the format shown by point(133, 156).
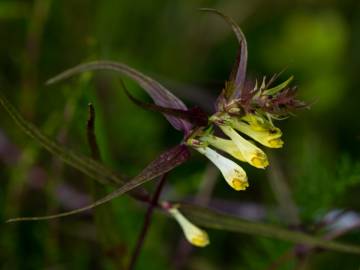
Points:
point(259, 162)
point(200, 240)
point(239, 184)
point(276, 143)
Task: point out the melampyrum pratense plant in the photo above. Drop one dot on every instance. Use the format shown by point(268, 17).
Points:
point(242, 123)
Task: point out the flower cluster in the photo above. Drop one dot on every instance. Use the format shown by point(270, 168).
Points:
point(253, 125)
point(244, 109)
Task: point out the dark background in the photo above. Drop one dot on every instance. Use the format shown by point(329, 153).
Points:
point(191, 53)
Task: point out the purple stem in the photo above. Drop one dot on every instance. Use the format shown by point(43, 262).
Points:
point(147, 222)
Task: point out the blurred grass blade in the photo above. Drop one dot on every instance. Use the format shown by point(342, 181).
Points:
point(84, 164)
point(164, 163)
point(239, 70)
point(12, 9)
point(213, 219)
point(158, 92)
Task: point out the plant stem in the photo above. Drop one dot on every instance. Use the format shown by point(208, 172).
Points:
point(147, 222)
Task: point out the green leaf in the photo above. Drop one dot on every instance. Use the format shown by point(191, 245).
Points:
point(274, 90)
point(213, 219)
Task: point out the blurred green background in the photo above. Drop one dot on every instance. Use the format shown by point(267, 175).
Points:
point(191, 53)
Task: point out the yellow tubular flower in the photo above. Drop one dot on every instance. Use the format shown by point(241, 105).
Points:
point(269, 137)
point(252, 154)
point(193, 234)
point(225, 145)
point(256, 122)
point(234, 175)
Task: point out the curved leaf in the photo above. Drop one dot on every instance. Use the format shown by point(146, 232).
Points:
point(164, 163)
point(158, 93)
point(238, 75)
point(194, 115)
point(221, 221)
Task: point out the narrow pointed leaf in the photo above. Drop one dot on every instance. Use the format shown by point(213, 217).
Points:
point(164, 163)
point(239, 70)
point(195, 115)
point(158, 92)
point(276, 89)
point(234, 70)
point(213, 219)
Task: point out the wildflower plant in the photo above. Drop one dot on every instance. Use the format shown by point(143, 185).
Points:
point(244, 108)
point(235, 133)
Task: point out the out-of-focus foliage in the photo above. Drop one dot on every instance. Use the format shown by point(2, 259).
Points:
point(317, 41)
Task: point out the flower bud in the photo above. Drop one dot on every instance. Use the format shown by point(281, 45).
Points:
point(193, 234)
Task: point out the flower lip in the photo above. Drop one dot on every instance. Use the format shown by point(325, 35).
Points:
point(239, 184)
point(259, 162)
point(200, 241)
point(276, 143)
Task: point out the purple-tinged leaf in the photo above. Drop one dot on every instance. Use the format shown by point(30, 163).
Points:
point(158, 92)
point(238, 74)
point(194, 115)
point(234, 70)
point(163, 164)
point(284, 102)
point(247, 95)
